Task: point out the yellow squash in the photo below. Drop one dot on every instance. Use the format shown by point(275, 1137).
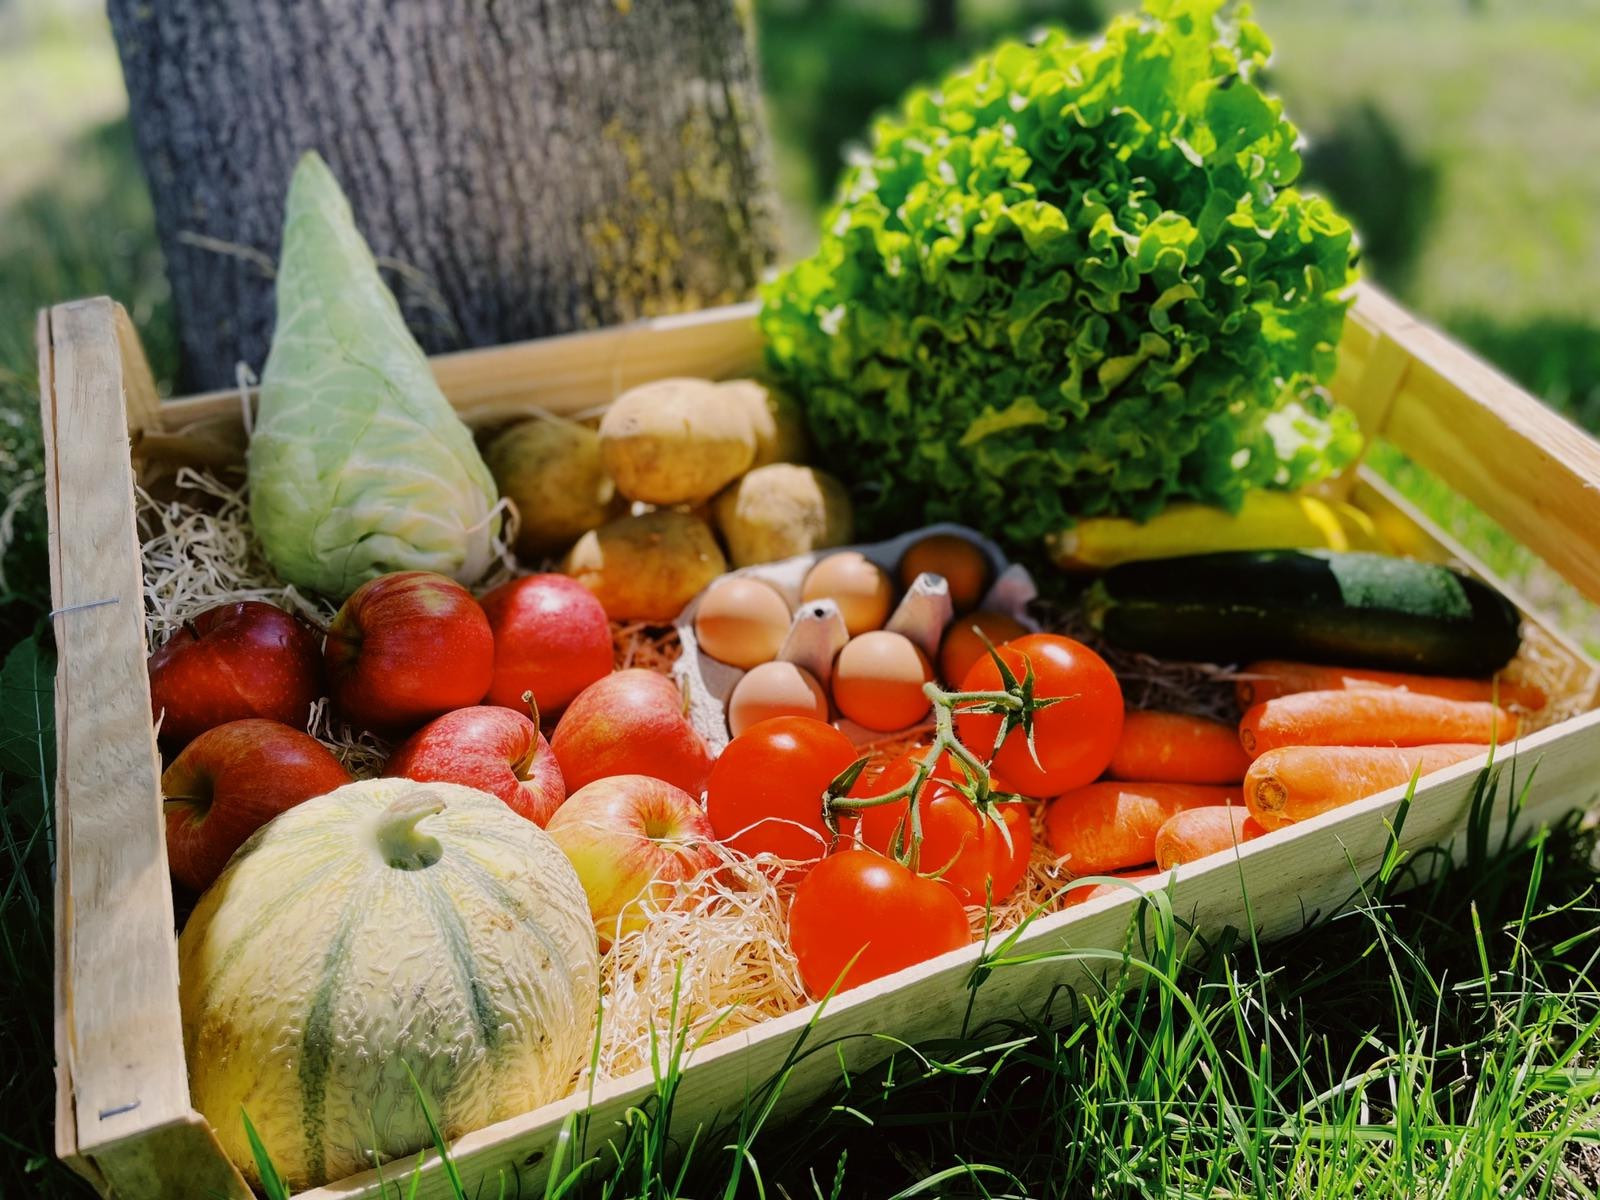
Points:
point(1267, 521)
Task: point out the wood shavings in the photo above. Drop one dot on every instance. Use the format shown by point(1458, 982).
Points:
point(722, 946)
point(197, 552)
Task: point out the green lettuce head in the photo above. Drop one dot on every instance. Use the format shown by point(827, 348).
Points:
point(358, 464)
point(1072, 279)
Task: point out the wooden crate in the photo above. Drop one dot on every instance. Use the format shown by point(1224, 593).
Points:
point(123, 1113)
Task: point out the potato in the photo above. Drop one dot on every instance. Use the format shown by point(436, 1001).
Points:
point(781, 510)
point(775, 419)
point(646, 567)
point(676, 441)
point(551, 470)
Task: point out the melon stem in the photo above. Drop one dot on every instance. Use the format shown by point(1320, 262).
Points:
point(402, 844)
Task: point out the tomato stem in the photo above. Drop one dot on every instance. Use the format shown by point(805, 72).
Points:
point(1016, 701)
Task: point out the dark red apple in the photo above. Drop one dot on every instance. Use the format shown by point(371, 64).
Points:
point(246, 659)
point(630, 723)
point(406, 647)
point(551, 638)
point(232, 780)
point(496, 750)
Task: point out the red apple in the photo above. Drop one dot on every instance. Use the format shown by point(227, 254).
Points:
point(551, 638)
point(631, 838)
point(406, 647)
point(496, 750)
point(232, 780)
point(246, 659)
point(630, 723)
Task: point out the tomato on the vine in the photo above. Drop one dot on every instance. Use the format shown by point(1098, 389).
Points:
point(765, 791)
point(1074, 737)
point(859, 905)
point(975, 858)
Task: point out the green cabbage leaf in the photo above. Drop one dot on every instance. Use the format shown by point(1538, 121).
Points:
point(358, 465)
point(1073, 279)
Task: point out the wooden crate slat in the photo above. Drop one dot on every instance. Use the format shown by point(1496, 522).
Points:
point(1326, 858)
point(1530, 469)
point(121, 1036)
point(564, 375)
point(1408, 531)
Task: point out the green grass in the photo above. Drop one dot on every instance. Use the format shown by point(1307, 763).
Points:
point(1441, 1046)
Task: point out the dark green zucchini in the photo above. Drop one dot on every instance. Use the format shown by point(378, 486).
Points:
point(1353, 610)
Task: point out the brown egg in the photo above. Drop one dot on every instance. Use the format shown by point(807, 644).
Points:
point(877, 681)
point(775, 689)
point(963, 564)
point(741, 621)
point(962, 647)
point(859, 586)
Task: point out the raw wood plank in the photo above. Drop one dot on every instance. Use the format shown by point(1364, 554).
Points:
point(1372, 373)
point(1410, 532)
point(141, 400)
point(564, 375)
point(118, 1020)
point(177, 1161)
point(1534, 472)
point(66, 1125)
point(1291, 876)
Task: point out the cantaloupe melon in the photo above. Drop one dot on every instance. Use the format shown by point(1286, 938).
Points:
point(386, 925)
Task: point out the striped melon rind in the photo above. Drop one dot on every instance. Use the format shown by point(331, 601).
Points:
point(313, 972)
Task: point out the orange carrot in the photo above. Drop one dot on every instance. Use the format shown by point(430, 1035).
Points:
point(1107, 826)
point(1297, 782)
point(1269, 679)
point(1077, 893)
point(1173, 748)
point(1197, 832)
point(1371, 717)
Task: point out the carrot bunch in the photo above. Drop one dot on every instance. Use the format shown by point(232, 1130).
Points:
point(1312, 738)
point(1173, 796)
point(1321, 737)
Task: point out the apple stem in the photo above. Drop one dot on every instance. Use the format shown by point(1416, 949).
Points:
point(533, 706)
point(191, 628)
point(402, 845)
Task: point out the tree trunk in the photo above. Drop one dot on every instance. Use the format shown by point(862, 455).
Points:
point(940, 17)
point(529, 166)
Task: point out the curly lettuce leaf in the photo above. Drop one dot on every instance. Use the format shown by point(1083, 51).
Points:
point(1073, 279)
point(358, 464)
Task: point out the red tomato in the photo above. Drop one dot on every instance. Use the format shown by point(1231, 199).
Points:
point(765, 792)
point(859, 905)
point(1075, 738)
point(970, 853)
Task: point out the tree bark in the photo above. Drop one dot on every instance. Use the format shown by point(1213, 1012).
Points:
point(529, 166)
point(940, 17)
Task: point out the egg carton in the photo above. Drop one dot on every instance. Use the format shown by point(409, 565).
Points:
point(923, 613)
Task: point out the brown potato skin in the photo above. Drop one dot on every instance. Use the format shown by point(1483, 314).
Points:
point(781, 510)
point(647, 567)
point(552, 471)
point(676, 441)
point(776, 420)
